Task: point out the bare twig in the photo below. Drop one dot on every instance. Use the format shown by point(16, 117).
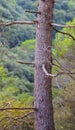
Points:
point(17, 118)
point(57, 83)
point(17, 22)
point(55, 75)
point(63, 68)
point(6, 105)
point(27, 63)
point(12, 108)
point(32, 11)
point(68, 34)
point(63, 26)
point(27, 114)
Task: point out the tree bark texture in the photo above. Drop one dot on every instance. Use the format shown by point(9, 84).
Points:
point(43, 55)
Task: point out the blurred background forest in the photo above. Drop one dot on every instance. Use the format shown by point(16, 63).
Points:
point(17, 42)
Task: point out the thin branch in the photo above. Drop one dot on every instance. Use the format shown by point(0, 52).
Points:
point(68, 34)
point(63, 68)
point(17, 118)
point(57, 66)
point(27, 114)
point(57, 83)
point(6, 105)
point(55, 75)
point(63, 26)
point(17, 22)
point(32, 11)
point(27, 63)
point(3, 109)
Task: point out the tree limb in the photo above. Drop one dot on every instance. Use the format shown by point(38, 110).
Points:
point(55, 75)
point(17, 22)
point(12, 108)
point(27, 114)
point(32, 11)
point(63, 26)
point(47, 74)
point(27, 63)
point(68, 34)
point(6, 105)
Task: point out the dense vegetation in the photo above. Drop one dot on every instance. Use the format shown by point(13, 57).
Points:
point(15, 10)
point(16, 84)
point(64, 57)
point(16, 80)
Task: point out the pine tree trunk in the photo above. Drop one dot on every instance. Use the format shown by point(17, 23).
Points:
point(43, 85)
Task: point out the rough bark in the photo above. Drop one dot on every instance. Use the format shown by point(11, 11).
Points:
point(43, 85)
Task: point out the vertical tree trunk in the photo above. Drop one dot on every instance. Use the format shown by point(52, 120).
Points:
point(42, 91)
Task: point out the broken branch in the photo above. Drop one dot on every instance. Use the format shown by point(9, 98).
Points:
point(27, 63)
point(55, 75)
point(32, 11)
point(63, 26)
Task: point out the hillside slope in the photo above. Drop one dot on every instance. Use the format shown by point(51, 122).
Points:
point(15, 10)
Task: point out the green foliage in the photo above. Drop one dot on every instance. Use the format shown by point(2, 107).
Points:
point(29, 44)
point(16, 87)
point(11, 119)
point(5, 13)
point(65, 9)
point(12, 10)
point(13, 73)
point(64, 105)
point(64, 98)
point(15, 10)
point(63, 43)
point(16, 80)
point(55, 92)
point(3, 77)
